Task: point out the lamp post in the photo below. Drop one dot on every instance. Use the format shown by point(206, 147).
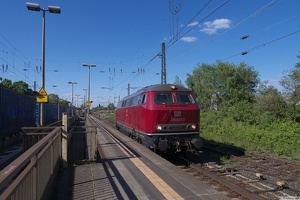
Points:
point(84, 99)
point(72, 89)
point(77, 95)
point(51, 9)
point(89, 88)
point(85, 96)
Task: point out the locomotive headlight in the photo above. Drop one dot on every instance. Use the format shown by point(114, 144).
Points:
point(158, 127)
point(194, 126)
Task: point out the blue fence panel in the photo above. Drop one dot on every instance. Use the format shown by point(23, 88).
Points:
point(16, 110)
point(21, 110)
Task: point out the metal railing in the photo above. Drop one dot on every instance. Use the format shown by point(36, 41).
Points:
point(83, 146)
point(32, 174)
point(29, 176)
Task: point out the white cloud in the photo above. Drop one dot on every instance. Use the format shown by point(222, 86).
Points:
point(189, 39)
point(193, 23)
point(211, 27)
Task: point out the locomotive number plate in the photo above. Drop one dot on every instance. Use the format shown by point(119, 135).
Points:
point(177, 119)
point(177, 113)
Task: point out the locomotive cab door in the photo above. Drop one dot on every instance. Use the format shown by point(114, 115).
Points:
point(134, 118)
point(139, 112)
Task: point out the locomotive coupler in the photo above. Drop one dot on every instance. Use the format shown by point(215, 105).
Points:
point(189, 145)
point(177, 146)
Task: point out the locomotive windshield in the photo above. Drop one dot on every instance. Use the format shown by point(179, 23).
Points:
point(184, 98)
point(167, 98)
point(163, 98)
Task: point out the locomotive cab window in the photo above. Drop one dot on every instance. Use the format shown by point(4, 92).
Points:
point(163, 98)
point(142, 99)
point(129, 102)
point(184, 98)
point(124, 104)
point(119, 104)
point(135, 100)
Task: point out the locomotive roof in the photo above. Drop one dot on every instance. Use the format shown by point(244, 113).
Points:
point(158, 87)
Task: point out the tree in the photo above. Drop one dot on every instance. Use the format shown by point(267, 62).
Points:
point(6, 83)
point(53, 98)
point(18, 86)
point(269, 99)
point(21, 87)
point(111, 106)
point(222, 84)
point(100, 107)
point(291, 84)
point(201, 84)
point(64, 103)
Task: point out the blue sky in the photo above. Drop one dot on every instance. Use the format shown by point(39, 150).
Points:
point(122, 37)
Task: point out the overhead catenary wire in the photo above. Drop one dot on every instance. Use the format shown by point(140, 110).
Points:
point(174, 14)
point(177, 37)
point(173, 41)
point(261, 45)
point(26, 60)
point(196, 24)
point(173, 38)
point(146, 67)
point(210, 40)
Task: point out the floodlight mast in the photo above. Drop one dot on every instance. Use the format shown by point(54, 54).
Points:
point(51, 9)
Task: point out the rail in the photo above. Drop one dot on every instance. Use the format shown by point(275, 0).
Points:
point(30, 176)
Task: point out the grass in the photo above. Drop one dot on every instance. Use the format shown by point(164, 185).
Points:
point(282, 143)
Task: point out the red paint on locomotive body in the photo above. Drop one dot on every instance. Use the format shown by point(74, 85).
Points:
point(161, 116)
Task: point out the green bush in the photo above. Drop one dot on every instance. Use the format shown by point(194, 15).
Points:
point(268, 134)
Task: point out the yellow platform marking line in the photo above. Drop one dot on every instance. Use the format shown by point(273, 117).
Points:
point(161, 185)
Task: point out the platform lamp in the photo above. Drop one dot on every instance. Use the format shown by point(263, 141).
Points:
point(72, 89)
point(89, 88)
point(84, 100)
point(51, 9)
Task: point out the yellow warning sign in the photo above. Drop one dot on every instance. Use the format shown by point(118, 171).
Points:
point(88, 103)
point(42, 96)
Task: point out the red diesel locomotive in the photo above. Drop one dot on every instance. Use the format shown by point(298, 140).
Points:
point(162, 116)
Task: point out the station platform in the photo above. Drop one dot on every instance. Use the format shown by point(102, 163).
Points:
point(128, 170)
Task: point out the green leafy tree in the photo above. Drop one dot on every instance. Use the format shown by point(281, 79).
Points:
point(269, 99)
point(291, 84)
point(21, 87)
point(111, 106)
point(200, 82)
point(6, 83)
point(100, 107)
point(53, 98)
point(64, 103)
point(222, 84)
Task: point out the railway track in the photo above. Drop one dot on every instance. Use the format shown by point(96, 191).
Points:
point(268, 176)
point(234, 190)
point(253, 176)
point(213, 176)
